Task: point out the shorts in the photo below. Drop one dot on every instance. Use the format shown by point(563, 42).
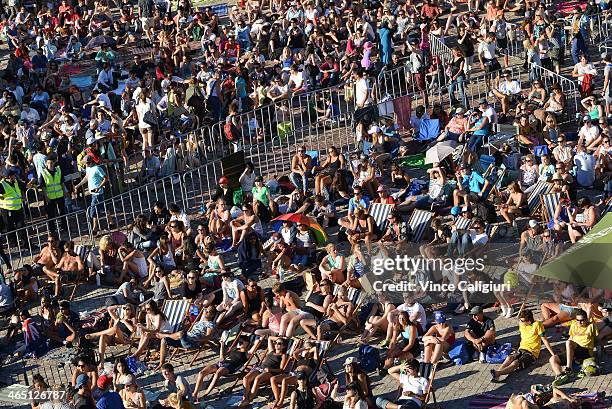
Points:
point(569, 309)
point(300, 259)
point(581, 353)
point(492, 66)
point(333, 325)
point(68, 275)
point(230, 367)
point(502, 45)
point(524, 358)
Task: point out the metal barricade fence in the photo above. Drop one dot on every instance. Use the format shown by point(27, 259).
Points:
point(199, 184)
point(516, 36)
point(121, 211)
point(600, 26)
point(569, 88)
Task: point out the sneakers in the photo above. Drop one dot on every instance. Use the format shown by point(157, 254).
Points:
point(482, 358)
point(561, 379)
point(509, 312)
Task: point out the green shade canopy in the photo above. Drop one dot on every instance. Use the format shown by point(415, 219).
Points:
point(588, 262)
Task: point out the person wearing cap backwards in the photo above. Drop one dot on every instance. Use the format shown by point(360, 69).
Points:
point(413, 387)
point(82, 398)
point(438, 339)
point(480, 333)
point(108, 399)
point(533, 335)
point(53, 181)
point(11, 202)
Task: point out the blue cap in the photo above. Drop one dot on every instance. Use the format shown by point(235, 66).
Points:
point(81, 380)
point(455, 210)
point(439, 317)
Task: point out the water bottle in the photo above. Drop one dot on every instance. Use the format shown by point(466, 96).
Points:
point(281, 275)
point(98, 281)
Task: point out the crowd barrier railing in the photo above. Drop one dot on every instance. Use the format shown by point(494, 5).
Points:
point(569, 88)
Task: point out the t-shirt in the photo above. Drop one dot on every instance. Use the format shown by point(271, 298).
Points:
point(487, 50)
point(110, 400)
point(585, 169)
point(95, 176)
point(474, 181)
point(415, 384)
point(583, 336)
point(479, 329)
point(353, 205)
point(417, 309)
point(531, 337)
point(173, 388)
point(232, 288)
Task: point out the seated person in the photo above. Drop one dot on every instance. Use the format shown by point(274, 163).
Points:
point(470, 185)
point(69, 268)
point(532, 335)
point(120, 330)
point(48, 258)
point(219, 220)
point(200, 332)
point(363, 228)
point(359, 200)
point(456, 127)
point(231, 304)
point(134, 262)
point(325, 212)
point(515, 205)
point(526, 133)
point(463, 242)
point(480, 333)
point(228, 364)
point(508, 90)
point(337, 315)
point(67, 323)
point(316, 305)
point(582, 337)
point(413, 387)
point(333, 266)
point(306, 361)
point(438, 339)
point(244, 224)
point(273, 364)
point(404, 342)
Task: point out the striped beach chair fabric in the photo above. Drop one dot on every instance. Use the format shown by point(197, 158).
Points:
point(380, 212)
point(175, 311)
point(462, 223)
point(533, 200)
point(549, 204)
point(419, 220)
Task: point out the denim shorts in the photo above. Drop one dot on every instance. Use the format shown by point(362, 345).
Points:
point(94, 209)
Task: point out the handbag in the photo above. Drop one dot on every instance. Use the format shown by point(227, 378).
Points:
point(150, 119)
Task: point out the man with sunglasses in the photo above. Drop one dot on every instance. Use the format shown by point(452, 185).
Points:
point(580, 346)
point(480, 333)
point(301, 170)
point(507, 92)
point(533, 335)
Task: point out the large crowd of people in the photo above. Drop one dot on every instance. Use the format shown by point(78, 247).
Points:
point(272, 271)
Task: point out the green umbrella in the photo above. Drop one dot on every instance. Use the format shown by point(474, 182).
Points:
point(588, 262)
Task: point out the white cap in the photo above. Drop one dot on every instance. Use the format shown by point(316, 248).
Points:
point(374, 129)
point(459, 110)
point(533, 223)
point(165, 84)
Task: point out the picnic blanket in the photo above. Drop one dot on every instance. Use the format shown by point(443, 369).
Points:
point(492, 401)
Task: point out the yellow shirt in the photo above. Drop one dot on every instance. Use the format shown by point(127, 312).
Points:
point(583, 336)
point(531, 337)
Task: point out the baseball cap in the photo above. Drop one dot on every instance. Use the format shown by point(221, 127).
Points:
point(476, 310)
point(81, 380)
point(439, 317)
point(533, 223)
point(459, 110)
point(483, 102)
point(381, 188)
point(104, 382)
point(350, 360)
point(586, 118)
point(223, 180)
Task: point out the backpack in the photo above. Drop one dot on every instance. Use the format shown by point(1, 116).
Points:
point(459, 353)
point(486, 211)
point(497, 354)
point(230, 131)
point(369, 357)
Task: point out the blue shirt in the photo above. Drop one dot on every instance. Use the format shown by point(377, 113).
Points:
point(110, 400)
point(363, 202)
point(95, 176)
point(474, 181)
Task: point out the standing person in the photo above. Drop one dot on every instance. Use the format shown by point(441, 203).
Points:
point(606, 91)
point(457, 77)
point(11, 203)
point(52, 179)
point(486, 56)
point(385, 34)
point(108, 399)
point(579, 29)
point(96, 180)
point(147, 120)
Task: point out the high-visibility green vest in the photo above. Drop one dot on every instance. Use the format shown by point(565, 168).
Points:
point(12, 199)
point(53, 183)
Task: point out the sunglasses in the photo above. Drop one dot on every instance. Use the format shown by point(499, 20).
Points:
point(190, 278)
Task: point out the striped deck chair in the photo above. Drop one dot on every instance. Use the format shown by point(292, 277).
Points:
point(419, 220)
point(195, 352)
point(607, 207)
point(175, 311)
point(462, 223)
point(358, 301)
point(255, 342)
point(380, 212)
point(533, 200)
point(427, 371)
point(549, 204)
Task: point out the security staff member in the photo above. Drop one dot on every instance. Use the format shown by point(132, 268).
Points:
point(11, 203)
point(53, 181)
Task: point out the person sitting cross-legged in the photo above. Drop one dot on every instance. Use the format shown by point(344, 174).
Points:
point(582, 336)
point(480, 332)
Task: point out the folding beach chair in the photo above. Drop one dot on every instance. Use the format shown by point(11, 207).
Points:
point(255, 342)
point(462, 223)
point(607, 207)
point(533, 200)
point(195, 352)
point(549, 204)
point(427, 371)
point(380, 212)
point(357, 298)
point(419, 220)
